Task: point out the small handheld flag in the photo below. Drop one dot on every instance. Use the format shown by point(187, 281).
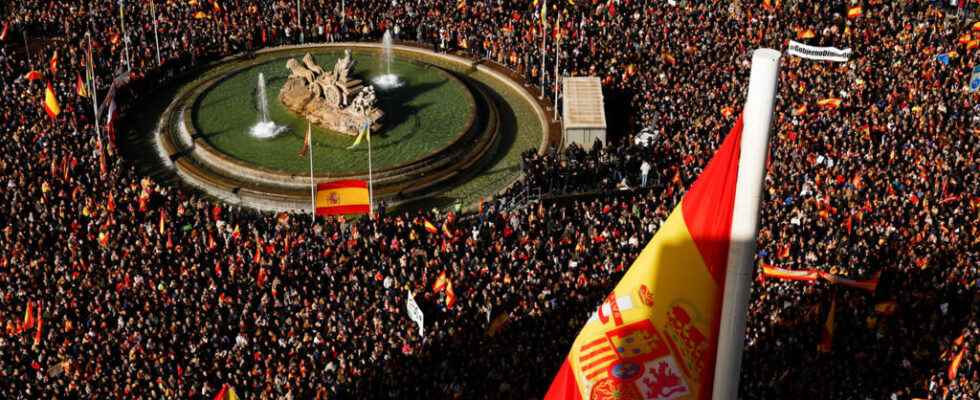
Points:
point(51, 105)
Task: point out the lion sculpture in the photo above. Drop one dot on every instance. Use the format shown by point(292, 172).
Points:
point(298, 71)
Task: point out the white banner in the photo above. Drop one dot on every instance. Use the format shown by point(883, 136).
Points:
point(818, 53)
point(415, 314)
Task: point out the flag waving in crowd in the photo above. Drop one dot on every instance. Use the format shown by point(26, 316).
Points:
point(655, 336)
point(51, 105)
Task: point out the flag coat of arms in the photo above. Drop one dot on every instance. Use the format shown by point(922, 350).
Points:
point(655, 335)
point(342, 197)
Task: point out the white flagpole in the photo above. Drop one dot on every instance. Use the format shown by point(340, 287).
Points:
point(370, 174)
point(122, 26)
point(757, 119)
point(92, 90)
point(299, 20)
point(557, 55)
point(309, 133)
point(156, 37)
point(544, 39)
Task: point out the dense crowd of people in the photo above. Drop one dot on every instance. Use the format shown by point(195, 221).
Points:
point(136, 288)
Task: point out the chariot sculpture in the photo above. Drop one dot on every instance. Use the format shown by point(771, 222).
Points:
point(330, 99)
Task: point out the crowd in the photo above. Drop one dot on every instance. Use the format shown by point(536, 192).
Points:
point(143, 289)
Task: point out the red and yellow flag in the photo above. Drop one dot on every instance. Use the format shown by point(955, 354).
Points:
point(450, 294)
point(429, 227)
point(829, 103)
point(80, 88)
point(440, 283)
point(342, 197)
point(40, 326)
point(769, 271)
point(854, 12)
point(53, 64)
point(226, 393)
point(33, 75)
point(954, 366)
point(51, 105)
point(655, 335)
point(28, 321)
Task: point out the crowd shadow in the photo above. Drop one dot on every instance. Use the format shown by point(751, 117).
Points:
point(464, 361)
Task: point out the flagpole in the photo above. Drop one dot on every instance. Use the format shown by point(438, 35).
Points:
point(122, 26)
point(544, 40)
point(757, 118)
point(312, 185)
point(156, 37)
point(299, 20)
point(557, 55)
point(370, 174)
point(93, 92)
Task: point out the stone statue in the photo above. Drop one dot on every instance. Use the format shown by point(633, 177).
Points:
point(326, 87)
point(299, 71)
point(322, 97)
point(364, 102)
point(311, 65)
point(342, 68)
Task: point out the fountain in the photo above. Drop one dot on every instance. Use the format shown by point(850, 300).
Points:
point(388, 80)
point(265, 128)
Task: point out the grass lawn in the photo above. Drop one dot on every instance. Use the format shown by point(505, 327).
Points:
point(423, 115)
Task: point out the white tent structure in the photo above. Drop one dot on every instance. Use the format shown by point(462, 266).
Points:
point(584, 118)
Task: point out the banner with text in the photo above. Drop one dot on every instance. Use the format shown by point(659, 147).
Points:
point(415, 314)
point(818, 53)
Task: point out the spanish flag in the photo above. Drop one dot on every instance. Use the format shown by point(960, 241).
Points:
point(440, 283)
point(789, 275)
point(51, 102)
point(80, 88)
point(226, 393)
point(805, 34)
point(954, 366)
point(854, 12)
point(450, 295)
point(53, 64)
point(28, 321)
point(342, 197)
point(829, 103)
point(429, 227)
point(660, 322)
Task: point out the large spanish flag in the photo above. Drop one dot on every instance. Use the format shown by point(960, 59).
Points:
point(342, 197)
point(654, 336)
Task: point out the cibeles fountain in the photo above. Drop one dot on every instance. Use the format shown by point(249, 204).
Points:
point(440, 121)
point(330, 99)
